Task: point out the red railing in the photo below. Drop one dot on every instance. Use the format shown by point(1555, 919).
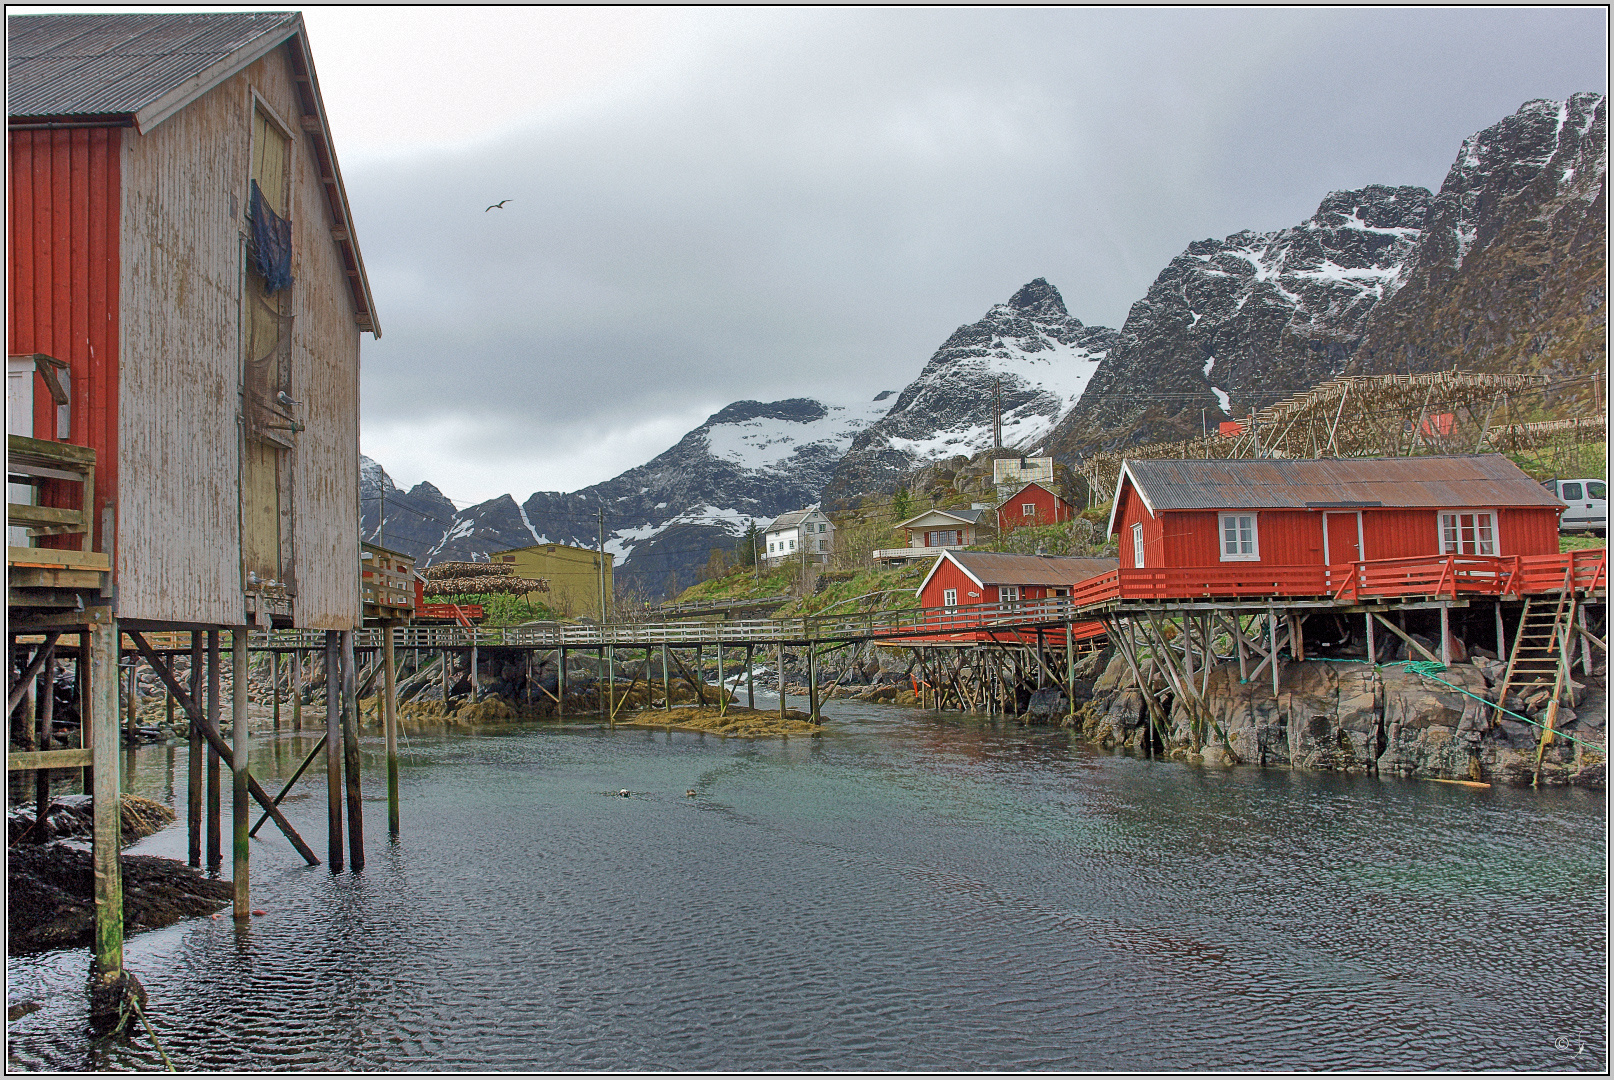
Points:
point(460, 613)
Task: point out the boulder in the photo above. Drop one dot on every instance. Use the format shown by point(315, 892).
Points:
point(1046, 706)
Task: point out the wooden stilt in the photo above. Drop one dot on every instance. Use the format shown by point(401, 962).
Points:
point(100, 723)
point(1445, 634)
point(750, 686)
point(812, 682)
point(1244, 649)
point(297, 691)
point(610, 684)
point(1372, 653)
point(1272, 657)
point(240, 741)
point(1070, 669)
point(350, 754)
point(215, 851)
point(1501, 637)
point(445, 678)
point(390, 718)
point(560, 684)
point(779, 662)
point(45, 718)
point(193, 815)
point(666, 680)
point(132, 708)
point(333, 749)
point(599, 679)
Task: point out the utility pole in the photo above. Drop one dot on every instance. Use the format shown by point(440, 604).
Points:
point(997, 414)
point(756, 563)
point(602, 570)
point(381, 516)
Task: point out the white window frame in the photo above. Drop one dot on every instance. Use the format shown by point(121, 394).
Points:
point(949, 598)
point(1028, 509)
point(1008, 594)
point(1137, 545)
point(1254, 554)
point(1456, 518)
point(792, 545)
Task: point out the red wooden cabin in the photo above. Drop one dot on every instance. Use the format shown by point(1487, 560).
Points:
point(962, 578)
point(1032, 505)
point(1329, 511)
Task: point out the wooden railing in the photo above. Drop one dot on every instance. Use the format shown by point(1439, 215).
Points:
point(35, 462)
point(1437, 577)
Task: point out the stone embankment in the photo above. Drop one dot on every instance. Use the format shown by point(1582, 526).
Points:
point(1351, 715)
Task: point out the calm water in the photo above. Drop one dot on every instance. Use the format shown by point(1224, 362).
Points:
point(905, 892)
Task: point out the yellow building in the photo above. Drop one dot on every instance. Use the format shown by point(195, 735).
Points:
point(573, 574)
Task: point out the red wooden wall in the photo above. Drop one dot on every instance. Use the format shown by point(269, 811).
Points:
point(1050, 508)
point(1182, 538)
point(62, 272)
point(949, 576)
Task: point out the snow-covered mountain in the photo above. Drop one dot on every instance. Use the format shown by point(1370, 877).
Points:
point(1235, 324)
point(1030, 353)
point(1503, 270)
point(750, 461)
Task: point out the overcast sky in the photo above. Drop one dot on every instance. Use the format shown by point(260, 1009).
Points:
point(707, 205)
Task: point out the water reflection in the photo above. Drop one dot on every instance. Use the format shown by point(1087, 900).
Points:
point(908, 891)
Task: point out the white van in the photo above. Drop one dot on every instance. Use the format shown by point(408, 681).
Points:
point(1588, 504)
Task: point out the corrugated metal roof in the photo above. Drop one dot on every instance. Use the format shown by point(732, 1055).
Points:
point(970, 516)
point(95, 65)
point(1279, 483)
point(793, 517)
point(990, 568)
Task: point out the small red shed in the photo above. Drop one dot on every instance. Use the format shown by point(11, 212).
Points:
point(1327, 511)
point(1032, 505)
point(961, 578)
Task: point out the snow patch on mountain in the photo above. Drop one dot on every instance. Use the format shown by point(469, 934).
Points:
point(769, 442)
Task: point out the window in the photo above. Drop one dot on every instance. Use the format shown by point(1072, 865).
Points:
point(1009, 594)
point(1028, 509)
point(821, 528)
point(1596, 489)
point(1137, 544)
point(1568, 492)
point(823, 545)
point(1470, 533)
point(1239, 541)
point(792, 545)
point(950, 597)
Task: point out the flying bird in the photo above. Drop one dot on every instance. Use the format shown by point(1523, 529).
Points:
point(497, 206)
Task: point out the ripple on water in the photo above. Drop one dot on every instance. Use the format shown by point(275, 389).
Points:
point(905, 892)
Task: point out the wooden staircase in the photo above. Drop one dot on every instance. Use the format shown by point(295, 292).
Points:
point(1541, 657)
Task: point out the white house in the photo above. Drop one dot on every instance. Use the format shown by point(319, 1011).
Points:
point(934, 531)
point(806, 532)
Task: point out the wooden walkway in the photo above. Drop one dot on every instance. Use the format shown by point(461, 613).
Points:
point(1349, 587)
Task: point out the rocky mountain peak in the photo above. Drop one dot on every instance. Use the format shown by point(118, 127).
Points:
point(1038, 299)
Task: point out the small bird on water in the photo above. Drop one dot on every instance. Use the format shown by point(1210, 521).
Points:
point(624, 793)
point(497, 206)
point(690, 794)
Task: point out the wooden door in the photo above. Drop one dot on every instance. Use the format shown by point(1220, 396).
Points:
point(266, 383)
point(1342, 538)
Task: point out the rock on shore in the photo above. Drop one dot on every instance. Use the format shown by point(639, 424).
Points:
point(50, 896)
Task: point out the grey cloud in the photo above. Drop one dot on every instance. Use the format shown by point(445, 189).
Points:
point(814, 205)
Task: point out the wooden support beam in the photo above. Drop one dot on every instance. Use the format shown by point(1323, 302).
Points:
point(333, 750)
point(101, 721)
point(241, 734)
point(284, 791)
point(1404, 636)
point(216, 752)
point(197, 751)
point(216, 742)
point(30, 673)
point(75, 758)
point(390, 719)
point(350, 753)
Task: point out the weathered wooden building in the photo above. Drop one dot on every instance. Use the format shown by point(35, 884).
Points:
point(184, 277)
point(934, 531)
point(963, 578)
point(222, 407)
point(1328, 511)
